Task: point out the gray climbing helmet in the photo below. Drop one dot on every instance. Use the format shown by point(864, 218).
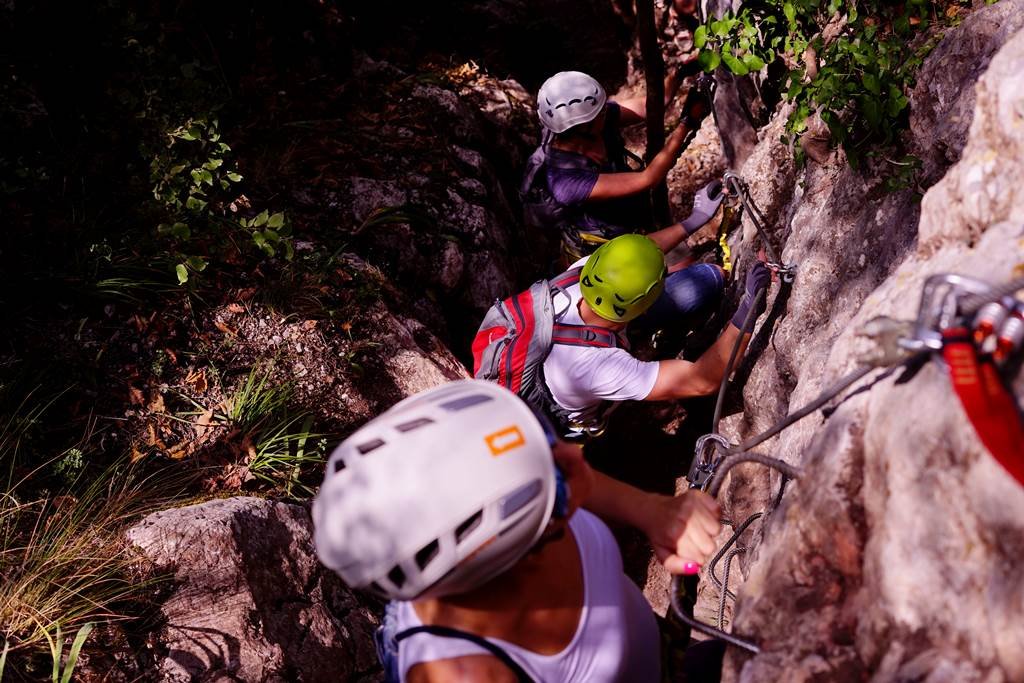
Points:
point(569, 98)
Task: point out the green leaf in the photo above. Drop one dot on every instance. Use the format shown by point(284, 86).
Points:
point(233, 177)
point(163, 229)
point(700, 37)
point(271, 236)
point(175, 170)
point(289, 251)
point(276, 220)
point(213, 164)
point(196, 263)
point(871, 82)
point(790, 12)
point(720, 28)
point(709, 60)
point(753, 62)
point(182, 273)
point(735, 65)
point(181, 231)
point(872, 111)
point(261, 219)
point(195, 204)
point(206, 176)
point(76, 648)
point(259, 239)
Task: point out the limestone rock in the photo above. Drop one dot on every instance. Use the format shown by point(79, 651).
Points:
point(942, 107)
point(897, 555)
point(249, 600)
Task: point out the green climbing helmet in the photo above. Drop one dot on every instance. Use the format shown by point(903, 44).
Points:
point(623, 277)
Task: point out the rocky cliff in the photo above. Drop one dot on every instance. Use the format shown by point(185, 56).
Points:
point(896, 555)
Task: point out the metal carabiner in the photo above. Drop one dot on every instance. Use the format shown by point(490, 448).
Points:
point(702, 469)
point(939, 308)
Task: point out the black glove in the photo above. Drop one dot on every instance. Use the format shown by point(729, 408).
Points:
point(758, 278)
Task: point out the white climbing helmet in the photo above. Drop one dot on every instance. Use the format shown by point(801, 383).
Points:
point(443, 492)
point(569, 98)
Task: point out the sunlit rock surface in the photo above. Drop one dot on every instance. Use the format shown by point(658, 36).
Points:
point(898, 555)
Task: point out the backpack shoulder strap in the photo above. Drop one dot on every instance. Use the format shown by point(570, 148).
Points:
point(584, 335)
point(578, 335)
point(569, 277)
point(447, 632)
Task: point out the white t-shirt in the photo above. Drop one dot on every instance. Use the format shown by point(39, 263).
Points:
point(616, 639)
point(580, 377)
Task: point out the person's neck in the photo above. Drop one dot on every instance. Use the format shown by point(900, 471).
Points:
point(588, 145)
point(591, 318)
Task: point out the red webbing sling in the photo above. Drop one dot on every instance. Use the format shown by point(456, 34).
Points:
point(989, 405)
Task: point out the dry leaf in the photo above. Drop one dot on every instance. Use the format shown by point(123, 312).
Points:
point(156, 403)
point(136, 397)
point(197, 380)
point(235, 308)
point(202, 426)
point(224, 328)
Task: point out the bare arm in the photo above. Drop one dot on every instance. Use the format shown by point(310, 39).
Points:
point(614, 185)
point(668, 238)
point(681, 528)
point(683, 379)
point(468, 669)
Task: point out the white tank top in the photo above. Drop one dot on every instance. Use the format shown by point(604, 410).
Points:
point(616, 638)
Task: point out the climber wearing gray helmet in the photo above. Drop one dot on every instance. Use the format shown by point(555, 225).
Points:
point(578, 180)
point(462, 506)
point(578, 183)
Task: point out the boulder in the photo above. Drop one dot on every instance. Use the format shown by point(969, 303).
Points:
point(249, 601)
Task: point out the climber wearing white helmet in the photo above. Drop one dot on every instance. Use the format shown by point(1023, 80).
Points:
point(461, 506)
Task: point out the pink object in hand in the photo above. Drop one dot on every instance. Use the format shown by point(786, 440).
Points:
point(691, 568)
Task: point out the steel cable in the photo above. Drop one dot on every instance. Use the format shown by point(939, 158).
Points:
point(725, 585)
point(787, 470)
point(970, 303)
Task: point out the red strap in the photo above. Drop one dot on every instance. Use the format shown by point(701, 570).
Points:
point(569, 277)
point(990, 407)
point(583, 335)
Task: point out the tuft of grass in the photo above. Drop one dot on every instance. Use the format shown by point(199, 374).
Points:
point(63, 556)
point(279, 444)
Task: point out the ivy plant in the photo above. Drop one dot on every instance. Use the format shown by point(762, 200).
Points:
point(851, 61)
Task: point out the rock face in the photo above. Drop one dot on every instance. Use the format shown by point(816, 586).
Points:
point(897, 555)
point(249, 599)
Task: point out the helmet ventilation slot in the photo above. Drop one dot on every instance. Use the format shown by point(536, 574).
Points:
point(397, 576)
point(369, 446)
point(465, 402)
point(414, 424)
point(339, 465)
point(426, 554)
point(468, 525)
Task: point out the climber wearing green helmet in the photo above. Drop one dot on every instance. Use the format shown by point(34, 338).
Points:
point(619, 282)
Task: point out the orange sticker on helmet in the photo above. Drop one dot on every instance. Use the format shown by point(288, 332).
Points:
point(504, 440)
